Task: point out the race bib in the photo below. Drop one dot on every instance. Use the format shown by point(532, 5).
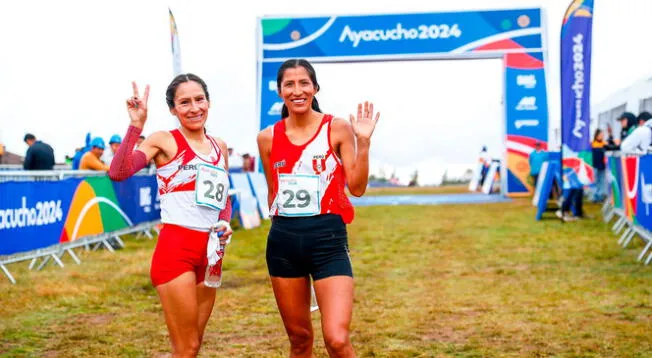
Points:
point(211, 186)
point(298, 195)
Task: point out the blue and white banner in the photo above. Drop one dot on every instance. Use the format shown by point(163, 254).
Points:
point(397, 35)
point(576, 34)
point(33, 214)
point(526, 116)
point(644, 197)
point(514, 35)
point(139, 198)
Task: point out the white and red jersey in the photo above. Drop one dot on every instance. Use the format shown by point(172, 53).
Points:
point(316, 160)
point(176, 185)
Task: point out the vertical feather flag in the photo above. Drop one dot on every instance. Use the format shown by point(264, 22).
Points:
point(176, 47)
point(575, 90)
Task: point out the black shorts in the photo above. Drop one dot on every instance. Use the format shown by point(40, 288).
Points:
point(302, 246)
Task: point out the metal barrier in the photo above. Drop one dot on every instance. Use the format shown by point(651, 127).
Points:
point(52, 175)
point(56, 252)
point(624, 226)
point(4, 167)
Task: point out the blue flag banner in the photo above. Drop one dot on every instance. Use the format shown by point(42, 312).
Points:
point(575, 90)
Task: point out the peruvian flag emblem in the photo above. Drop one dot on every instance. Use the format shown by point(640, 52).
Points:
point(318, 164)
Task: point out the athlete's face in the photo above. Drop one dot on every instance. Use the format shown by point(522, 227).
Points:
point(297, 90)
point(191, 105)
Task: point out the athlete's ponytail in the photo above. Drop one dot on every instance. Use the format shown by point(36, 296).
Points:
point(294, 63)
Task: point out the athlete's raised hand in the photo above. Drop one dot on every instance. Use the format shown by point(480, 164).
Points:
point(137, 106)
point(365, 123)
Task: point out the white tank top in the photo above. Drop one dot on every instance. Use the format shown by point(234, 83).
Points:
point(176, 186)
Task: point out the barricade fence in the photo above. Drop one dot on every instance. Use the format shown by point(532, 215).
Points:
point(46, 214)
point(629, 199)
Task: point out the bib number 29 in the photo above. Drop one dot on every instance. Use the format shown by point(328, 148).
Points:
point(298, 195)
point(299, 199)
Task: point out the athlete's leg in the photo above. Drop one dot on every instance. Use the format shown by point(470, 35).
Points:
point(335, 299)
point(205, 302)
point(293, 300)
point(179, 301)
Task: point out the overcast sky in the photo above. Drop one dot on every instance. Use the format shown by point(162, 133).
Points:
point(66, 67)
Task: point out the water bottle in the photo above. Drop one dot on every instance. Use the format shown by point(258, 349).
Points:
point(213, 277)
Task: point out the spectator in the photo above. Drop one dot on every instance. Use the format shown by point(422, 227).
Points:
point(91, 159)
point(485, 159)
point(114, 144)
point(643, 117)
point(627, 123)
point(598, 146)
point(247, 163)
point(612, 143)
point(235, 161)
point(571, 207)
point(537, 157)
point(39, 156)
point(79, 152)
point(639, 140)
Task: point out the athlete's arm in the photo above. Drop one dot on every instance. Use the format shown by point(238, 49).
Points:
point(225, 214)
point(127, 162)
point(351, 142)
point(265, 152)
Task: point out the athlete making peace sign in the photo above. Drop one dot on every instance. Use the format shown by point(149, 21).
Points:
point(192, 183)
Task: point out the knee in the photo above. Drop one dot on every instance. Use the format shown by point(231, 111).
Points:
point(300, 339)
point(337, 340)
point(190, 349)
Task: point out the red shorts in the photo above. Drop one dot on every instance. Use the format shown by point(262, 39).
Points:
point(179, 250)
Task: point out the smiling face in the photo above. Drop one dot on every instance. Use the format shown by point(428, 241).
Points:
point(297, 88)
point(191, 105)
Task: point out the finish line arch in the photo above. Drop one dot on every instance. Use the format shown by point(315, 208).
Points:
point(517, 36)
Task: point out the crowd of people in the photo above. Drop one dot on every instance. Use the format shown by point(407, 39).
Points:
point(634, 138)
point(95, 156)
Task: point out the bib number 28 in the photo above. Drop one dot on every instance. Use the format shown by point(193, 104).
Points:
point(211, 186)
point(214, 191)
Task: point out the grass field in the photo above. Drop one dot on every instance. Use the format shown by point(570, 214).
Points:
point(431, 281)
point(447, 189)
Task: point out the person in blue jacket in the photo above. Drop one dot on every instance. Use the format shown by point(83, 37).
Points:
point(537, 157)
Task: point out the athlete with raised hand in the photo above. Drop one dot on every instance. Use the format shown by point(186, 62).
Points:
point(308, 157)
point(193, 185)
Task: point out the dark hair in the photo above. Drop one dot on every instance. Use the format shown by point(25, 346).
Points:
point(644, 116)
point(172, 88)
point(596, 134)
point(29, 136)
point(294, 63)
point(630, 118)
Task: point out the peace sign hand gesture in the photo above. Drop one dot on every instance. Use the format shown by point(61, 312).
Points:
point(137, 107)
point(364, 124)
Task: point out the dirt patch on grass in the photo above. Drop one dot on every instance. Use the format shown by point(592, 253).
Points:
point(91, 319)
